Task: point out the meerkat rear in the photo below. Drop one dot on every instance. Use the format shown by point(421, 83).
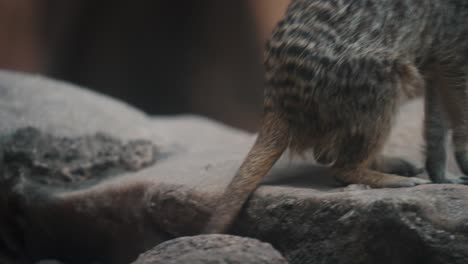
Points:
point(297, 93)
point(336, 73)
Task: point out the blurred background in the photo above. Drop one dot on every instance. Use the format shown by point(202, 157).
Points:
point(163, 57)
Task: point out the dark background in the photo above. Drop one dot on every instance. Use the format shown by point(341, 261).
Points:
point(164, 57)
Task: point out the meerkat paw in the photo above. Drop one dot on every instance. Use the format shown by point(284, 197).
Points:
point(460, 180)
point(394, 165)
point(451, 179)
point(393, 181)
point(456, 180)
point(462, 160)
point(377, 179)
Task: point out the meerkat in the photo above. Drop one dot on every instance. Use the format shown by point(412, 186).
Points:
point(337, 72)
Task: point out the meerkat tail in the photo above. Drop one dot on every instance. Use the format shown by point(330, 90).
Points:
point(271, 142)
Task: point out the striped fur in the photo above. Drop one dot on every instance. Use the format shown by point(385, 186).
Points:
point(337, 72)
point(332, 64)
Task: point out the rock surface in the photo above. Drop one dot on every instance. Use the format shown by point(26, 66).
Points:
point(299, 209)
point(213, 249)
point(61, 160)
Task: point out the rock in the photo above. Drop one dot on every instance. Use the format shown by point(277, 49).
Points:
point(60, 160)
point(299, 209)
point(215, 249)
point(426, 224)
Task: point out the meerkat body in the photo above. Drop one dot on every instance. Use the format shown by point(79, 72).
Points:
point(336, 74)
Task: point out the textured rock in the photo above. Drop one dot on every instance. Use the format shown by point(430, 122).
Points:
point(60, 161)
point(214, 249)
point(426, 224)
point(299, 209)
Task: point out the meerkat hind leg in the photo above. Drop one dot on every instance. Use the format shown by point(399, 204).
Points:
point(458, 111)
point(356, 171)
point(386, 164)
point(357, 151)
point(458, 100)
point(395, 165)
point(462, 161)
point(444, 103)
point(375, 179)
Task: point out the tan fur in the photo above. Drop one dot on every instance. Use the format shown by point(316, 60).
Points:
point(271, 142)
point(337, 73)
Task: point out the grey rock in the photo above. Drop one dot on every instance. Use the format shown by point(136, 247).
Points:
point(425, 224)
point(299, 209)
point(62, 160)
point(64, 109)
point(214, 249)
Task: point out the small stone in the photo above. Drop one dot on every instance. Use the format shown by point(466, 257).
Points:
point(213, 249)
